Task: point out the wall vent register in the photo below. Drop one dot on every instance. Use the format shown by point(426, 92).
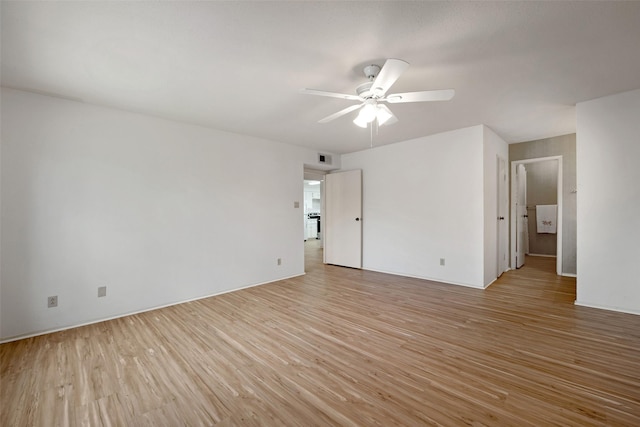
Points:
point(324, 158)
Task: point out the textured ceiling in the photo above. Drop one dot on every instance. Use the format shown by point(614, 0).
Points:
point(518, 67)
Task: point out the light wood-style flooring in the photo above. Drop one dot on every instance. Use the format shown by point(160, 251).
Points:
point(340, 347)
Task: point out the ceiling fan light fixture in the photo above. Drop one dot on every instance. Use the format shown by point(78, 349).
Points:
point(369, 112)
point(359, 121)
point(383, 115)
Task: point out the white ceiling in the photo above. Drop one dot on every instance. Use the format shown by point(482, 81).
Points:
point(518, 67)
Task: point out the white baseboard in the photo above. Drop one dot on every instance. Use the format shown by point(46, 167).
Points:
point(604, 307)
point(425, 278)
point(542, 255)
point(569, 275)
point(490, 283)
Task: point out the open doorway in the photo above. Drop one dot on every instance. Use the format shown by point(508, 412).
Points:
point(313, 214)
point(536, 210)
point(313, 209)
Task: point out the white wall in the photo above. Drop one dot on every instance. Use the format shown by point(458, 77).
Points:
point(1, 185)
point(494, 146)
point(608, 219)
point(422, 201)
point(158, 211)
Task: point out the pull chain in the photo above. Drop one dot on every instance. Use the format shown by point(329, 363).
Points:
point(371, 135)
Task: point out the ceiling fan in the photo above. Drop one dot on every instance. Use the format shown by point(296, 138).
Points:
point(372, 93)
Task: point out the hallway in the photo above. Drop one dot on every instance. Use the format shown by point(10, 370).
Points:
point(537, 279)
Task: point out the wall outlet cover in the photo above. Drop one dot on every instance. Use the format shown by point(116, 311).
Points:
point(52, 301)
point(102, 291)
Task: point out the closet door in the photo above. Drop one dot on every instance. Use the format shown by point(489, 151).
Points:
point(343, 219)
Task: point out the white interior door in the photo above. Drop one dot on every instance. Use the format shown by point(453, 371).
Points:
point(503, 209)
point(521, 215)
point(343, 219)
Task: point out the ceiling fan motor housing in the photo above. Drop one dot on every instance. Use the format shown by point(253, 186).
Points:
point(364, 90)
point(371, 71)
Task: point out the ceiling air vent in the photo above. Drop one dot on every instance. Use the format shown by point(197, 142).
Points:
point(324, 159)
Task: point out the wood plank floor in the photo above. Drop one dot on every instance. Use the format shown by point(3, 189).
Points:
point(340, 347)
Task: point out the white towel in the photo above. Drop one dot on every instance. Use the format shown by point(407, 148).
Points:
point(546, 217)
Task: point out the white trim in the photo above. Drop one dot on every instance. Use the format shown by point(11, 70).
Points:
point(514, 217)
point(64, 328)
point(491, 282)
point(499, 272)
point(569, 275)
point(425, 278)
point(604, 307)
point(542, 255)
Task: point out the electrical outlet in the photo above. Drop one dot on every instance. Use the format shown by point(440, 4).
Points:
point(52, 301)
point(441, 261)
point(279, 261)
point(102, 291)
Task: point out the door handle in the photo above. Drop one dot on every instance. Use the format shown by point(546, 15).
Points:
point(357, 219)
point(500, 218)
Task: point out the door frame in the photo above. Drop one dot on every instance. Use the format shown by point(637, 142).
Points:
point(315, 175)
point(514, 183)
point(502, 241)
point(521, 218)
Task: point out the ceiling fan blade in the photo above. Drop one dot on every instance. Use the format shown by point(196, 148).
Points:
point(388, 75)
point(425, 95)
point(340, 113)
point(390, 118)
point(330, 94)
